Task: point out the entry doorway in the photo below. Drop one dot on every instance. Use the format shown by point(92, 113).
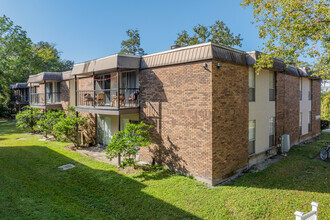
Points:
point(103, 130)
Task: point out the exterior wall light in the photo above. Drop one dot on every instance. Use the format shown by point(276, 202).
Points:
point(205, 65)
point(218, 65)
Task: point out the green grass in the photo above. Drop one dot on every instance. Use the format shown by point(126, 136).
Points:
point(32, 187)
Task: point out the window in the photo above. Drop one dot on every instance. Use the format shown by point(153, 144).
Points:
point(310, 90)
point(300, 88)
point(310, 122)
point(252, 136)
point(300, 123)
point(271, 86)
point(272, 131)
point(251, 85)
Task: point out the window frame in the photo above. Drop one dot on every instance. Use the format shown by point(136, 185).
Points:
point(252, 142)
point(272, 127)
point(252, 90)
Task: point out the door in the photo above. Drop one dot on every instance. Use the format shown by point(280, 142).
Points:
point(103, 130)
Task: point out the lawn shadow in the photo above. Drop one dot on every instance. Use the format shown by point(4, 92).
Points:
point(299, 171)
point(81, 192)
point(153, 172)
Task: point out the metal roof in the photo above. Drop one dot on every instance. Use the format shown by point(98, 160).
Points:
point(193, 53)
point(19, 86)
point(109, 63)
point(199, 52)
point(67, 75)
point(48, 76)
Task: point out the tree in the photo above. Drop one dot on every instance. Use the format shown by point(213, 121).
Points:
point(66, 127)
point(45, 125)
point(325, 105)
point(132, 45)
point(217, 33)
point(20, 57)
point(127, 143)
point(27, 119)
point(292, 29)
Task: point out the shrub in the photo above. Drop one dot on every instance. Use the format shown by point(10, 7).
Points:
point(47, 121)
point(127, 143)
point(65, 128)
point(28, 118)
point(325, 124)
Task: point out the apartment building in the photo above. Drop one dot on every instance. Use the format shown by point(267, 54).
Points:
point(51, 90)
point(212, 115)
point(19, 96)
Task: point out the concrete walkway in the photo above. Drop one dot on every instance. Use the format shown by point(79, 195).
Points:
point(326, 130)
point(97, 153)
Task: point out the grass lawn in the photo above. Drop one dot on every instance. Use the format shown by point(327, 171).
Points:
point(32, 187)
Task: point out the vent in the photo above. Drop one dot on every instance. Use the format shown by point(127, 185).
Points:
point(175, 46)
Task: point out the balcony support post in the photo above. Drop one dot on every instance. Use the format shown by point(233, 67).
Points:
point(94, 89)
point(118, 90)
point(45, 98)
point(75, 93)
point(118, 131)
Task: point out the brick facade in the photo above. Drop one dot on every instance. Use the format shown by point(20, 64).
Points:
point(230, 113)
point(287, 107)
point(65, 93)
point(177, 101)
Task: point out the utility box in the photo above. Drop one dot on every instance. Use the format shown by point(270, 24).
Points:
point(285, 143)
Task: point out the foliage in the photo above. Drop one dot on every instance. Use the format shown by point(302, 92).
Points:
point(217, 33)
point(47, 121)
point(292, 29)
point(66, 127)
point(127, 143)
point(132, 45)
point(325, 124)
point(28, 118)
point(84, 191)
point(20, 57)
point(325, 105)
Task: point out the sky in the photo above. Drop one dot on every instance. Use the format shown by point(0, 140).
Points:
point(88, 29)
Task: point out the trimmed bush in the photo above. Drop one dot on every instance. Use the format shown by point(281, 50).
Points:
point(27, 119)
point(127, 143)
point(66, 127)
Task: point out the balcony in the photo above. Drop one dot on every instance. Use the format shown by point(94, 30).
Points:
point(105, 101)
point(20, 99)
point(53, 100)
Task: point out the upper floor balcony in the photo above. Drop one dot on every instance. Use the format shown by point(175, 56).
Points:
point(20, 94)
point(108, 85)
point(45, 90)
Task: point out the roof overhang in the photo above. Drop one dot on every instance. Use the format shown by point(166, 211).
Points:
point(280, 65)
point(19, 86)
point(117, 62)
point(45, 76)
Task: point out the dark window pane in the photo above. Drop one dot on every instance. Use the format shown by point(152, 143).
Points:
point(271, 140)
point(271, 94)
point(251, 147)
point(251, 94)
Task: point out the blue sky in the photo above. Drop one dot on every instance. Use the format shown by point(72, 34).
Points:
point(89, 29)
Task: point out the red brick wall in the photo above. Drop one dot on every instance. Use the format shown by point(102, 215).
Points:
point(85, 83)
point(177, 100)
point(230, 113)
point(316, 106)
point(287, 106)
point(65, 93)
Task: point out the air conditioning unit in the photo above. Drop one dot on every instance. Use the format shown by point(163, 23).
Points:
point(285, 143)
